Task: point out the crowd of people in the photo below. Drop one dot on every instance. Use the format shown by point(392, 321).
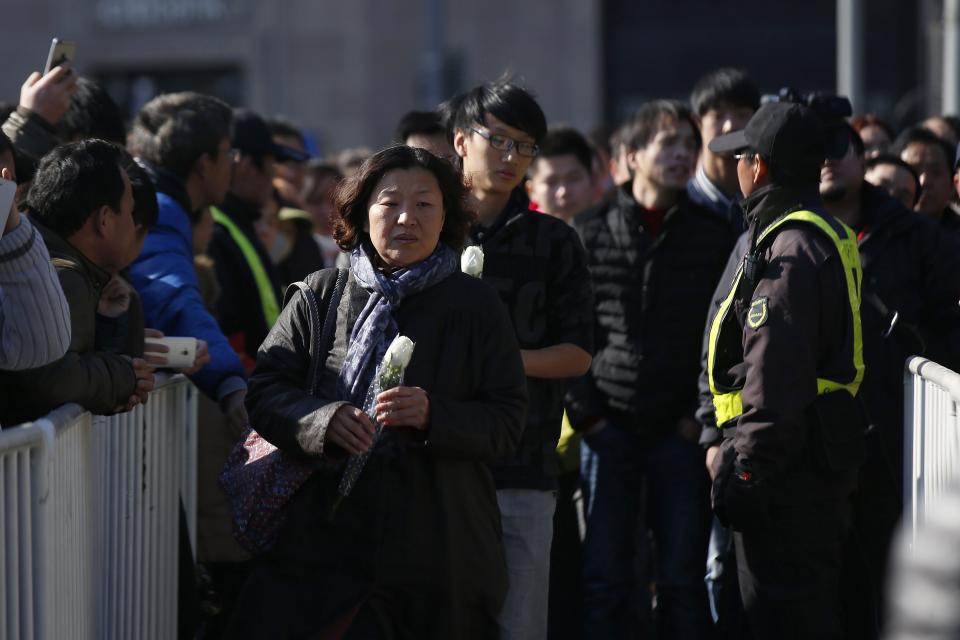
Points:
point(597, 437)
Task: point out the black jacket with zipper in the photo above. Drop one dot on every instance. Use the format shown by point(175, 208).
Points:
point(651, 300)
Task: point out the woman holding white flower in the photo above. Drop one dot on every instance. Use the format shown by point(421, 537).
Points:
point(413, 549)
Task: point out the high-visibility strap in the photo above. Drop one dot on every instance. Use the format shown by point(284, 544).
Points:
point(268, 295)
point(729, 403)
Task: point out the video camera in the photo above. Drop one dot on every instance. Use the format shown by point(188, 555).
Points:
point(832, 109)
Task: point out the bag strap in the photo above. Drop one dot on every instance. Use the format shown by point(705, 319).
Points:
point(321, 333)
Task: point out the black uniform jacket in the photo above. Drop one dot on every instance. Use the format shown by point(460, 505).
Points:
point(419, 538)
point(806, 335)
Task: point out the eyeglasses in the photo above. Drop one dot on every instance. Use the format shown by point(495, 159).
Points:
point(503, 143)
point(749, 155)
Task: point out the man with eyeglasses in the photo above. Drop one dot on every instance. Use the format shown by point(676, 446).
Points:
point(785, 362)
point(537, 265)
point(655, 258)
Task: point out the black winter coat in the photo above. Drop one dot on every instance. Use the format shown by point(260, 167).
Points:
point(418, 541)
point(651, 299)
point(912, 267)
point(537, 265)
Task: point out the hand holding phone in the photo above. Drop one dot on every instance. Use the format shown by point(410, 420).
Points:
point(180, 353)
point(61, 52)
point(48, 94)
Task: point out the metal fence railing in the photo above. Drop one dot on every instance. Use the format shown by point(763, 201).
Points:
point(89, 519)
point(931, 451)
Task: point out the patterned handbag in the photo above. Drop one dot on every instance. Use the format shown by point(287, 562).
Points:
point(258, 478)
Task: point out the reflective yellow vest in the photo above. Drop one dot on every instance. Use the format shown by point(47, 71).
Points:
point(728, 401)
point(268, 296)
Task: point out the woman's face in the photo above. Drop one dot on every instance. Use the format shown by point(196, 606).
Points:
point(405, 215)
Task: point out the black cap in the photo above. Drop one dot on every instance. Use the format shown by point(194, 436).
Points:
point(788, 135)
point(956, 159)
point(252, 136)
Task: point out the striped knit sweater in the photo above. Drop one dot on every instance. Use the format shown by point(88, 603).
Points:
point(34, 316)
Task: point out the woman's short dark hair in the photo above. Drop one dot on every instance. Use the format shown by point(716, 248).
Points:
point(73, 181)
point(353, 195)
point(174, 130)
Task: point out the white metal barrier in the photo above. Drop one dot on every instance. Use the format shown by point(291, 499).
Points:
point(931, 451)
point(89, 519)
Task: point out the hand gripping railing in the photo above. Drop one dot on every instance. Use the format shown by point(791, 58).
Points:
point(89, 519)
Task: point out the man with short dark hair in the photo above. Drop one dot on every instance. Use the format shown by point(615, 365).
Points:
point(537, 265)
point(911, 285)
point(82, 203)
point(249, 288)
point(723, 100)
point(655, 257)
point(561, 176)
point(183, 141)
point(426, 130)
point(932, 159)
point(896, 177)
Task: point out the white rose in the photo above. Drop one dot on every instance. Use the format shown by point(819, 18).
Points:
point(471, 261)
point(399, 352)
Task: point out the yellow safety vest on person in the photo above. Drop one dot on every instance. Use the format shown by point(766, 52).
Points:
point(268, 298)
point(727, 399)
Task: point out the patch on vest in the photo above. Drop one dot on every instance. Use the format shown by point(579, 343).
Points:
point(757, 316)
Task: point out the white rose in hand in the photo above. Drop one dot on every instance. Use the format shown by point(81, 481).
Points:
point(471, 261)
point(399, 353)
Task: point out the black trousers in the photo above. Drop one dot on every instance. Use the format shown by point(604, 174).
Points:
point(789, 572)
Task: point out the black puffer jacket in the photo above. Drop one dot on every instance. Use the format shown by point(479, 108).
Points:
point(652, 297)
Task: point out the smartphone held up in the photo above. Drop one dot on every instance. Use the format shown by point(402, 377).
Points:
point(61, 52)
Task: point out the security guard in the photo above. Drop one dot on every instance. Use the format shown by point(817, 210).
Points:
point(785, 361)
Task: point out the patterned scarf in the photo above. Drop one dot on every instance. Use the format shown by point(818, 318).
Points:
point(376, 328)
